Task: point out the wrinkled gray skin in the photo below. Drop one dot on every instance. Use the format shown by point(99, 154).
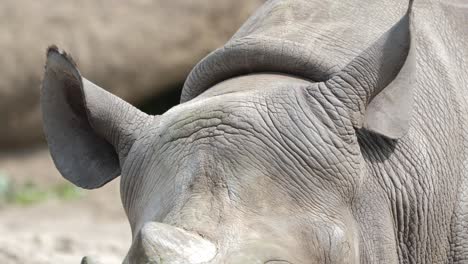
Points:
point(323, 132)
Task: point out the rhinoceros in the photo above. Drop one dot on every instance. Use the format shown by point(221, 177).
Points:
point(322, 132)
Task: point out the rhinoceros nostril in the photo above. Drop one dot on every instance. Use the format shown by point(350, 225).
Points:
point(158, 241)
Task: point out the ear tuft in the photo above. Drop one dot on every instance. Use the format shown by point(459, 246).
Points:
point(54, 49)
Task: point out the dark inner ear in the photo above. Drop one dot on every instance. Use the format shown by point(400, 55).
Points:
point(79, 153)
point(74, 97)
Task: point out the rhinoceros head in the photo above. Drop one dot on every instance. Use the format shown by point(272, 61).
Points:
point(261, 162)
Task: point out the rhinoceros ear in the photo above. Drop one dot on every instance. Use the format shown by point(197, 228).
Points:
point(379, 83)
point(389, 112)
point(89, 131)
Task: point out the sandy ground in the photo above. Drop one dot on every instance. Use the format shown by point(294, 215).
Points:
point(60, 231)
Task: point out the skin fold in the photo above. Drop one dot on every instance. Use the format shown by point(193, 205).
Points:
point(322, 132)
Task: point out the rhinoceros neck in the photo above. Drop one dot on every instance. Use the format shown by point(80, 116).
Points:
point(253, 55)
point(294, 37)
point(258, 81)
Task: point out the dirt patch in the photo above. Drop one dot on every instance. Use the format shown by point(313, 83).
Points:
point(57, 231)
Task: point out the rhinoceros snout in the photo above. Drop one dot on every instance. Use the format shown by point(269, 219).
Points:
point(162, 243)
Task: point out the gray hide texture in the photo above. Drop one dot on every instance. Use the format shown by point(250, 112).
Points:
point(253, 49)
point(322, 132)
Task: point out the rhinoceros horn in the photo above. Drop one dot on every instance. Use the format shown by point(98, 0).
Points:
point(89, 260)
point(162, 243)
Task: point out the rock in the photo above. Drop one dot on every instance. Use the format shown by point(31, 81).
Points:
point(136, 49)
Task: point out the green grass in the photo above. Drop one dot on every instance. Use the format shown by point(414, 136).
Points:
point(30, 193)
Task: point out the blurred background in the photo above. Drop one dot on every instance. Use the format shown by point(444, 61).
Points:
point(140, 50)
